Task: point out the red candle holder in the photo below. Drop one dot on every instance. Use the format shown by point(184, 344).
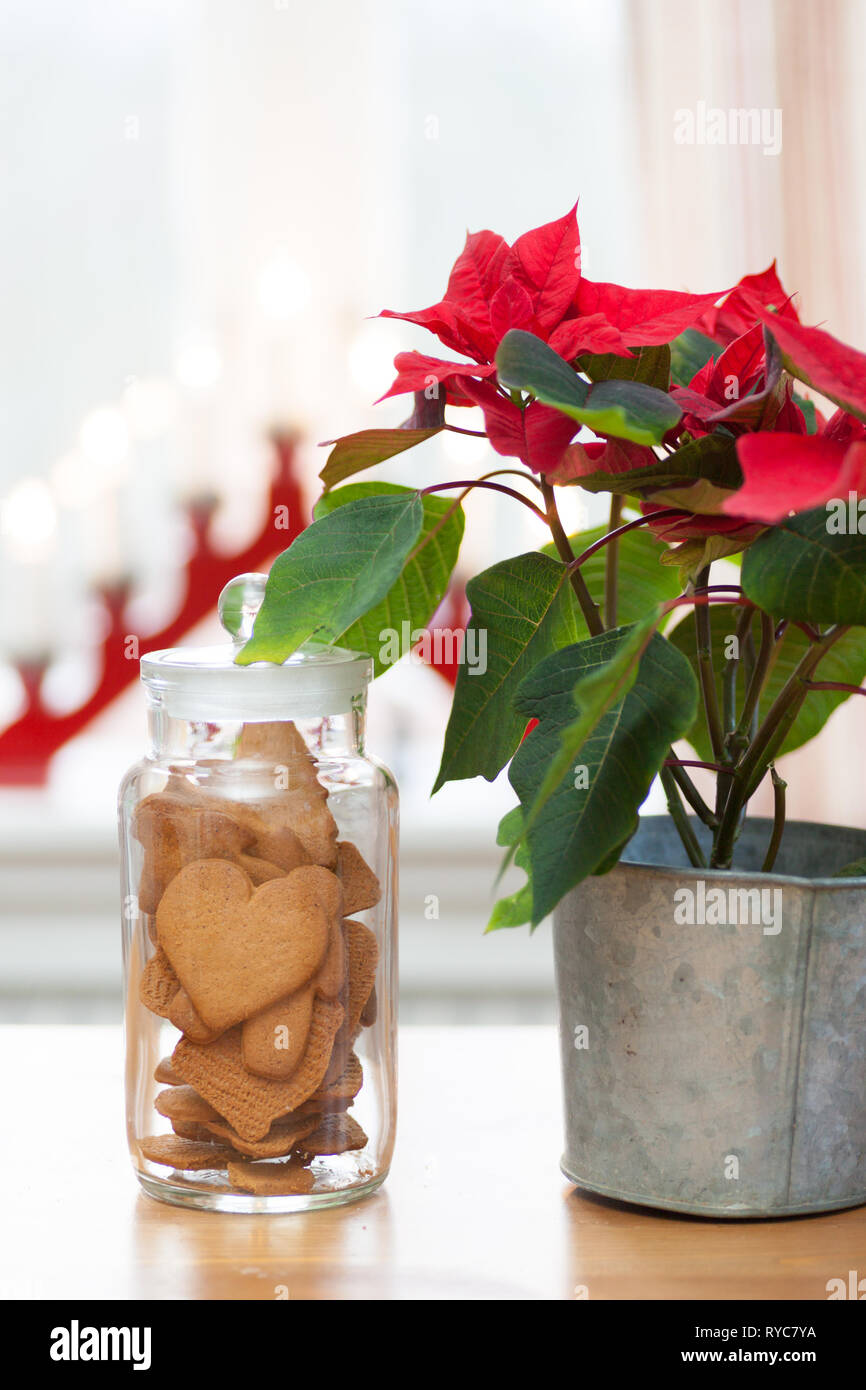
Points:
point(29, 743)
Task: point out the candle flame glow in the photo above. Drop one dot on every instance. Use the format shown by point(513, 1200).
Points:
point(28, 520)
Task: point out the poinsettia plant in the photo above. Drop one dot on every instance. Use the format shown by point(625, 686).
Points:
point(605, 649)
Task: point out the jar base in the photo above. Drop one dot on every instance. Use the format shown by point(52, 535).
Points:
point(200, 1199)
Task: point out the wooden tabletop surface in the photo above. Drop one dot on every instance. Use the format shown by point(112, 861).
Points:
point(475, 1206)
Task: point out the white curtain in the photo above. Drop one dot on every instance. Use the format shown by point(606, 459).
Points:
point(710, 213)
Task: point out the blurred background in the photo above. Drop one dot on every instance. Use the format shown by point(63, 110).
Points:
point(204, 205)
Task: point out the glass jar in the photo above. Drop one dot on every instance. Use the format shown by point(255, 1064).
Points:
point(259, 851)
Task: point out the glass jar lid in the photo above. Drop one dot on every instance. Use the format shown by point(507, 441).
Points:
point(205, 683)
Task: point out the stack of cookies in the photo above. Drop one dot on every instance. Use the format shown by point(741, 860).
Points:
point(258, 962)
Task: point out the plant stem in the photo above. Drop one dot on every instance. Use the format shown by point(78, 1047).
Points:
point(458, 502)
point(729, 681)
point(759, 675)
point(611, 561)
point(681, 820)
point(513, 472)
point(729, 698)
point(703, 600)
point(705, 670)
point(783, 712)
point(735, 742)
point(694, 762)
point(767, 742)
point(837, 685)
point(778, 820)
point(691, 793)
point(744, 628)
point(588, 607)
point(470, 483)
point(613, 536)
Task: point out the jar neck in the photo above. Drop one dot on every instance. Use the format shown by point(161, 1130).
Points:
point(328, 736)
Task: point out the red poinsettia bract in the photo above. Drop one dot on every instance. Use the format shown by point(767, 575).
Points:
point(786, 472)
point(535, 285)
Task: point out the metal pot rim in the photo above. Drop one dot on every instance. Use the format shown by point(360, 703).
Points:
point(674, 871)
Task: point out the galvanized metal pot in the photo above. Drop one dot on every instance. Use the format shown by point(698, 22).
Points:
point(714, 1047)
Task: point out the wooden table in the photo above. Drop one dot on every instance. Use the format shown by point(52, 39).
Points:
point(474, 1208)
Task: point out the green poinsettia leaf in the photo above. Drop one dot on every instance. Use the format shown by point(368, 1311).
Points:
point(801, 570)
point(651, 365)
point(333, 573)
point(713, 457)
point(593, 810)
point(690, 351)
point(624, 409)
point(629, 410)
point(364, 449)
point(597, 690)
point(515, 910)
point(809, 412)
point(524, 608)
point(386, 631)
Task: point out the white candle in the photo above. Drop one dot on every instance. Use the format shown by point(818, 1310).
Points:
point(283, 292)
point(198, 368)
point(29, 525)
point(104, 468)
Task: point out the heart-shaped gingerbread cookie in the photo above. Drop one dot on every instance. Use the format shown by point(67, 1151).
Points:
point(251, 1103)
point(279, 743)
point(291, 825)
point(236, 950)
point(361, 887)
point(274, 1042)
point(173, 833)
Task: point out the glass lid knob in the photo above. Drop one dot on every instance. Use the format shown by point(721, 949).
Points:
point(239, 603)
